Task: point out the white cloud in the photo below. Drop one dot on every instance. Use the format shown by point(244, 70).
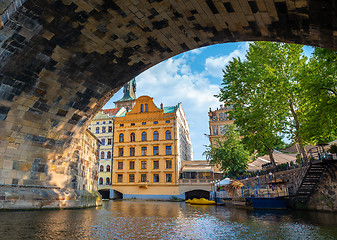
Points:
point(214, 65)
point(196, 51)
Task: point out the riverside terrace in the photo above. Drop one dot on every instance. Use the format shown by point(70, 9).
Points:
point(61, 60)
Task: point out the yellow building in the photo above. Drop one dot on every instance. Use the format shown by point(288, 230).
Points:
point(218, 123)
point(149, 145)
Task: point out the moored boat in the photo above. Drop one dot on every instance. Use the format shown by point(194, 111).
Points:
point(267, 202)
point(201, 201)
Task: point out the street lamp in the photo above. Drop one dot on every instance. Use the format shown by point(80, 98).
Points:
point(271, 180)
point(247, 182)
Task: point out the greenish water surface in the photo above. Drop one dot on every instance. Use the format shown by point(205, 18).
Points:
point(166, 220)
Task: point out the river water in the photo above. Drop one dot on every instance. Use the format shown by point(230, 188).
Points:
point(166, 220)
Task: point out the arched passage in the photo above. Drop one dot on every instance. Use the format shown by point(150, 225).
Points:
point(62, 60)
point(196, 194)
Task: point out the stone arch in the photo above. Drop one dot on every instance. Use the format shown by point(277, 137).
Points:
point(59, 67)
point(197, 194)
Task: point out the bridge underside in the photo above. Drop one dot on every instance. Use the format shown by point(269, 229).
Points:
point(61, 60)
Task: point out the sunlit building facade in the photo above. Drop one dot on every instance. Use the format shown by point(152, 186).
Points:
point(102, 126)
point(218, 123)
point(149, 145)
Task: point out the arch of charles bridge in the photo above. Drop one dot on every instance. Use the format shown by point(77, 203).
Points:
point(61, 61)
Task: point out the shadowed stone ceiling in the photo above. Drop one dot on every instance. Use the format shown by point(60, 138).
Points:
point(61, 60)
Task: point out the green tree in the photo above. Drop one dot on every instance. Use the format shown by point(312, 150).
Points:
point(228, 153)
point(319, 84)
point(264, 91)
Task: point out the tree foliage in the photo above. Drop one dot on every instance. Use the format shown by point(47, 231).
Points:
point(319, 84)
point(228, 154)
point(265, 92)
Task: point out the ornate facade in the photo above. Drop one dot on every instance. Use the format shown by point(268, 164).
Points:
point(218, 122)
point(149, 145)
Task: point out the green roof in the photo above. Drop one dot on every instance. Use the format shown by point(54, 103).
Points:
point(169, 109)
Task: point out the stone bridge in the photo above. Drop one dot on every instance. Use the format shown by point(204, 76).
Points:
point(61, 60)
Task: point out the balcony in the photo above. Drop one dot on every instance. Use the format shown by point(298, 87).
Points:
point(143, 184)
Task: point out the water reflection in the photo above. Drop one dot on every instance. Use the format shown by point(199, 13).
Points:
point(165, 220)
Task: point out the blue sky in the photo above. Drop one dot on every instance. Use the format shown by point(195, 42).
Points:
point(192, 78)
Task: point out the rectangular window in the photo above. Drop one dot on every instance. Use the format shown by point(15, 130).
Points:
point(110, 121)
point(155, 150)
point(143, 165)
point(97, 122)
point(131, 177)
point(110, 129)
point(143, 123)
point(132, 165)
point(109, 141)
point(121, 125)
point(103, 141)
point(97, 129)
point(120, 165)
point(167, 121)
point(155, 177)
point(103, 129)
point(132, 151)
point(143, 151)
point(155, 122)
point(168, 164)
point(168, 150)
point(120, 178)
point(143, 178)
point(169, 177)
point(155, 164)
point(120, 152)
point(132, 124)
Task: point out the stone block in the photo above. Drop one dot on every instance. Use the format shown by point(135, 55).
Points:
point(8, 164)
point(25, 166)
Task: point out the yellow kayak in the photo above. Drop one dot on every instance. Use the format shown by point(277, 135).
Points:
point(201, 201)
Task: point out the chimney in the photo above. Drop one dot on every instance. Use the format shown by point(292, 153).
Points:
point(161, 106)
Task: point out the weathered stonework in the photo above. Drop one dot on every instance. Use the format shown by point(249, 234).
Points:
point(325, 196)
point(61, 60)
point(46, 198)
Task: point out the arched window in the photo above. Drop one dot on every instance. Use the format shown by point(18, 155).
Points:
point(108, 155)
point(101, 168)
point(144, 136)
point(168, 135)
point(108, 168)
point(155, 135)
point(107, 181)
point(142, 107)
point(121, 137)
point(146, 108)
point(100, 181)
point(132, 137)
point(97, 129)
point(102, 155)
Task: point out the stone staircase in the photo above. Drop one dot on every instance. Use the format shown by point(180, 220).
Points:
point(310, 181)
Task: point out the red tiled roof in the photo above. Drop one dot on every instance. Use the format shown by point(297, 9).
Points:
point(111, 111)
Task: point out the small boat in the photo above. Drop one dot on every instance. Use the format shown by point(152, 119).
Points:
point(188, 201)
point(267, 203)
point(201, 201)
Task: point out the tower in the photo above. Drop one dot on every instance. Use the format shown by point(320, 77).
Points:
point(128, 100)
